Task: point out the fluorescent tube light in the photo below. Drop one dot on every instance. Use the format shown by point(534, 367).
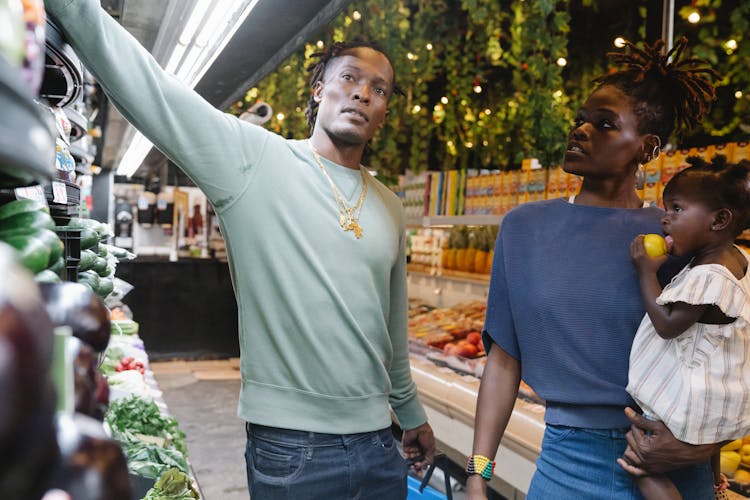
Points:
point(210, 26)
point(134, 156)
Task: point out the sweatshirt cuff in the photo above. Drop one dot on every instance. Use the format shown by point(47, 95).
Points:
point(410, 414)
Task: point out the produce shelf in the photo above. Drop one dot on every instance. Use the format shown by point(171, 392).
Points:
point(27, 145)
point(63, 75)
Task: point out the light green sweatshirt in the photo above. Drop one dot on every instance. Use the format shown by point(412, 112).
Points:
point(322, 315)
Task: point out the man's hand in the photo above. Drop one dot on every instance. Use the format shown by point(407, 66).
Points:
point(653, 449)
point(419, 446)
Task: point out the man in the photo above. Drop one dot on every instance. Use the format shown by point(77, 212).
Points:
point(317, 257)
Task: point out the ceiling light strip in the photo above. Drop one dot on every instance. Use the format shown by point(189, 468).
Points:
point(196, 49)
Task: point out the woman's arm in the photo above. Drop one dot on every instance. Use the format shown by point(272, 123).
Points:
point(497, 396)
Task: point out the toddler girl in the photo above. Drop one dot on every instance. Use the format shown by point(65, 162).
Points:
point(690, 360)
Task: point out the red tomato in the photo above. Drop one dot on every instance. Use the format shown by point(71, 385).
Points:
point(475, 338)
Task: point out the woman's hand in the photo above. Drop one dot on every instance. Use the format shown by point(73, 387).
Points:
point(653, 449)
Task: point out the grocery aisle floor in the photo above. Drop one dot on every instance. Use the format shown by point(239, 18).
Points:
point(202, 396)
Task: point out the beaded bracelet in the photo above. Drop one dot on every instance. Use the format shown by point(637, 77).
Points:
point(479, 464)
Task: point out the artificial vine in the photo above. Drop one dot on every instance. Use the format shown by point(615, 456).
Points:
point(483, 88)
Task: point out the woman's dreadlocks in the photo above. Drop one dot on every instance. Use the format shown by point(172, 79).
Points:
point(318, 70)
point(668, 94)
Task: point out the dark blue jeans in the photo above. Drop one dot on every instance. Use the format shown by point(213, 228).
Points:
point(287, 464)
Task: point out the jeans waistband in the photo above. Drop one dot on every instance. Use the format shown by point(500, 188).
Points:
point(315, 439)
point(614, 433)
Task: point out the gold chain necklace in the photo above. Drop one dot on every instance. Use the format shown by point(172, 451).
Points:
point(348, 216)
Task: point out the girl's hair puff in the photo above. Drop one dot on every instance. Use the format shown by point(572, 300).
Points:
point(728, 184)
point(670, 92)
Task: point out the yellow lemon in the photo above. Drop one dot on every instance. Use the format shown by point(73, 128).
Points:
point(730, 461)
point(655, 245)
point(742, 476)
point(732, 446)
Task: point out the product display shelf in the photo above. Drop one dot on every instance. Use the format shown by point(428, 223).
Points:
point(445, 291)
point(63, 78)
point(27, 147)
point(140, 484)
point(465, 220)
point(450, 401)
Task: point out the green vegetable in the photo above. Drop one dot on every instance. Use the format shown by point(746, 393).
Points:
point(102, 230)
point(58, 266)
point(50, 238)
point(173, 485)
point(33, 252)
point(38, 219)
point(106, 285)
point(119, 253)
point(88, 259)
point(21, 206)
point(90, 279)
point(112, 355)
point(100, 266)
point(89, 238)
point(124, 327)
point(47, 276)
point(150, 460)
point(136, 415)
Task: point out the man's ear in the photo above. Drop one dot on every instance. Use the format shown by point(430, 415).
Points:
point(318, 91)
point(723, 218)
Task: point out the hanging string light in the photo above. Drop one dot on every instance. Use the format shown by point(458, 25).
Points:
point(477, 86)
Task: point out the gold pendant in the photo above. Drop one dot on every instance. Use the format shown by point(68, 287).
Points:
point(354, 226)
point(343, 222)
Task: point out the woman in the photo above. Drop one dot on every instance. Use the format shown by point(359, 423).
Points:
point(564, 302)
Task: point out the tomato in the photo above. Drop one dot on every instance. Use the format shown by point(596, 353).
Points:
point(475, 338)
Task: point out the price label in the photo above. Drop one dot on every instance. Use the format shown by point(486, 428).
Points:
point(59, 193)
point(31, 193)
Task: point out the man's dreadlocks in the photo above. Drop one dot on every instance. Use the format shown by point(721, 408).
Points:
point(667, 94)
point(318, 70)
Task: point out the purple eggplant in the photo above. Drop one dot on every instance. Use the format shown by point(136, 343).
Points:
point(76, 306)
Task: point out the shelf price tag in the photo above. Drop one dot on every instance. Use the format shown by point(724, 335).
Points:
point(59, 192)
point(31, 193)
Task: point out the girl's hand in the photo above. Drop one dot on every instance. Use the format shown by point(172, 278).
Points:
point(721, 483)
point(642, 261)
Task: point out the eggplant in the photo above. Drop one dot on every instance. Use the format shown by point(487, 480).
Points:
point(92, 466)
point(25, 345)
point(85, 366)
point(27, 399)
point(76, 306)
